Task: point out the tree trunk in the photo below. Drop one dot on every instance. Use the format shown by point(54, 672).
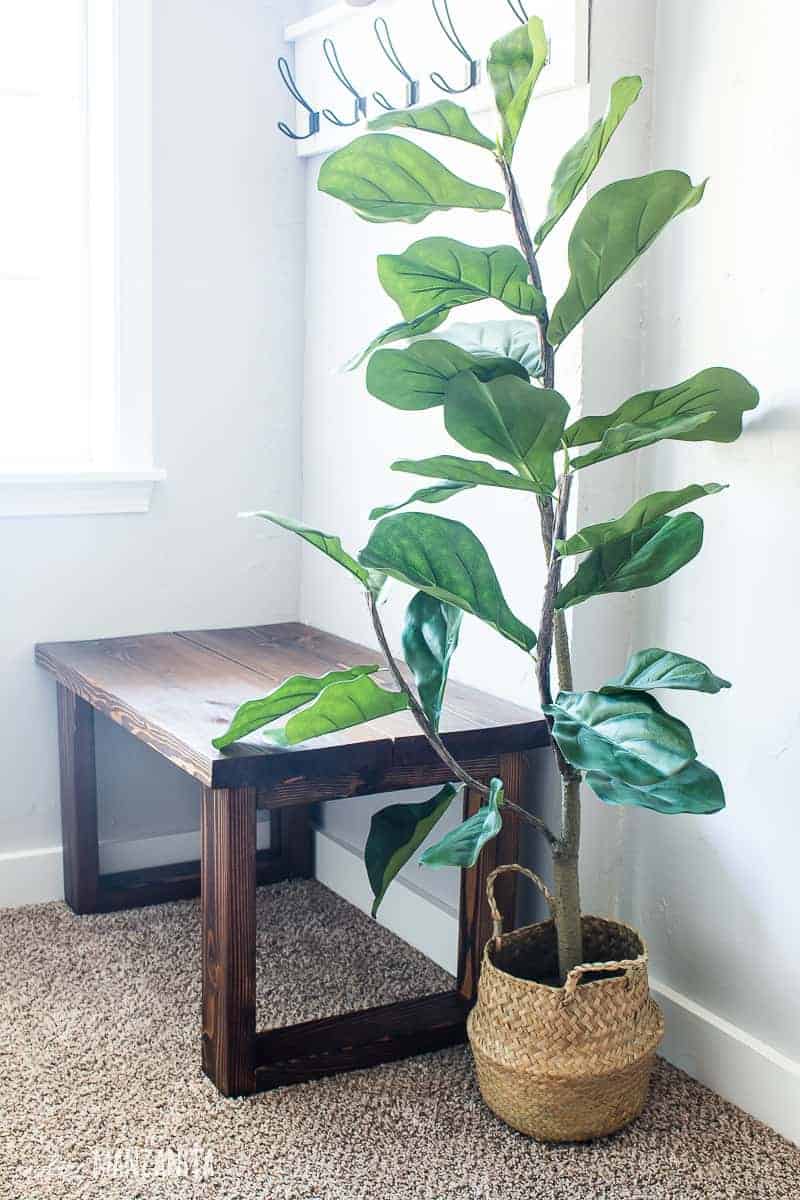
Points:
point(568, 919)
point(566, 879)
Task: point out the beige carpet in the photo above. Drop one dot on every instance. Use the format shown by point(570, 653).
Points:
point(99, 1073)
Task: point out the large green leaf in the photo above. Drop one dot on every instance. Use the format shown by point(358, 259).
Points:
point(463, 470)
point(613, 230)
point(436, 494)
point(639, 560)
point(440, 270)
point(462, 846)
point(291, 694)
point(400, 332)
point(328, 543)
point(340, 706)
point(623, 439)
point(625, 735)
point(578, 164)
point(443, 117)
point(395, 833)
point(695, 789)
point(720, 393)
point(416, 378)
point(388, 178)
point(511, 420)
point(656, 668)
point(509, 339)
point(445, 559)
point(515, 63)
point(430, 637)
point(643, 512)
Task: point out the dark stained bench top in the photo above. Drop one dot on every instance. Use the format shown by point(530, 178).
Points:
point(177, 691)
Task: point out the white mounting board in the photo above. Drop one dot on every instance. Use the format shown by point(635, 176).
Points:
point(422, 48)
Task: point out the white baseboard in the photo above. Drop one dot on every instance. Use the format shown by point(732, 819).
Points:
point(417, 919)
point(746, 1071)
point(36, 877)
point(31, 877)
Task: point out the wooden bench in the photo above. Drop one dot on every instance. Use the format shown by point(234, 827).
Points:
point(177, 691)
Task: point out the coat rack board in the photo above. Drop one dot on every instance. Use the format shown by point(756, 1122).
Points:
point(352, 63)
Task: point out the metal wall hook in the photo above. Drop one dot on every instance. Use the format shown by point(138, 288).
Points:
point(386, 44)
point(285, 72)
point(518, 9)
point(332, 56)
point(449, 30)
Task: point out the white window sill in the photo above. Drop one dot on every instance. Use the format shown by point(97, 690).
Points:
point(76, 493)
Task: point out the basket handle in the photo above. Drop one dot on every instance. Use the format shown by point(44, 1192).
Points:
point(575, 975)
point(497, 920)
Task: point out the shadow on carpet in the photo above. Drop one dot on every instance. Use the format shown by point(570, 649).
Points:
point(101, 1093)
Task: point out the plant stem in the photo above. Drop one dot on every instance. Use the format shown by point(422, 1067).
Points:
point(569, 927)
point(553, 635)
point(416, 708)
point(526, 245)
point(552, 585)
point(432, 736)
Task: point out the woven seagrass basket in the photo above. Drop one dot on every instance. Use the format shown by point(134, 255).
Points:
point(564, 1064)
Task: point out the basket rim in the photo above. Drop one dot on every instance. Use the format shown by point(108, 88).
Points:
point(641, 960)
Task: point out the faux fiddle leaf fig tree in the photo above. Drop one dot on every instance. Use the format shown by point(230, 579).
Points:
point(495, 384)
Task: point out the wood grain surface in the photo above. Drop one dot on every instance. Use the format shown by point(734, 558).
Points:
point(229, 938)
point(78, 802)
point(359, 1039)
point(177, 691)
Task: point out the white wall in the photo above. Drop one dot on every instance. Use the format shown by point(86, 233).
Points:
point(714, 896)
point(228, 334)
point(718, 896)
point(349, 438)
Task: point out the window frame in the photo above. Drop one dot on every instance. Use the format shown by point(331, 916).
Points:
point(121, 475)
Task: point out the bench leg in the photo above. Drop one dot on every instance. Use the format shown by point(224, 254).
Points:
point(228, 873)
point(475, 923)
point(78, 801)
point(292, 836)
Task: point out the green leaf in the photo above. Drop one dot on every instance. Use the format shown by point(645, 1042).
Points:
point(328, 543)
point(639, 560)
point(388, 178)
point(430, 637)
point(463, 470)
point(443, 117)
point(515, 63)
point(291, 694)
point(400, 332)
point(514, 421)
point(643, 512)
point(657, 668)
point(395, 833)
point(507, 339)
point(578, 164)
point(625, 735)
point(623, 439)
point(340, 706)
point(617, 225)
point(721, 394)
point(445, 559)
point(441, 271)
point(416, 378)
point(695, 789)
point(462, 846)
point(436, 494)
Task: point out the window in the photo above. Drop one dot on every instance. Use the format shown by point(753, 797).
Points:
point(74, 206)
